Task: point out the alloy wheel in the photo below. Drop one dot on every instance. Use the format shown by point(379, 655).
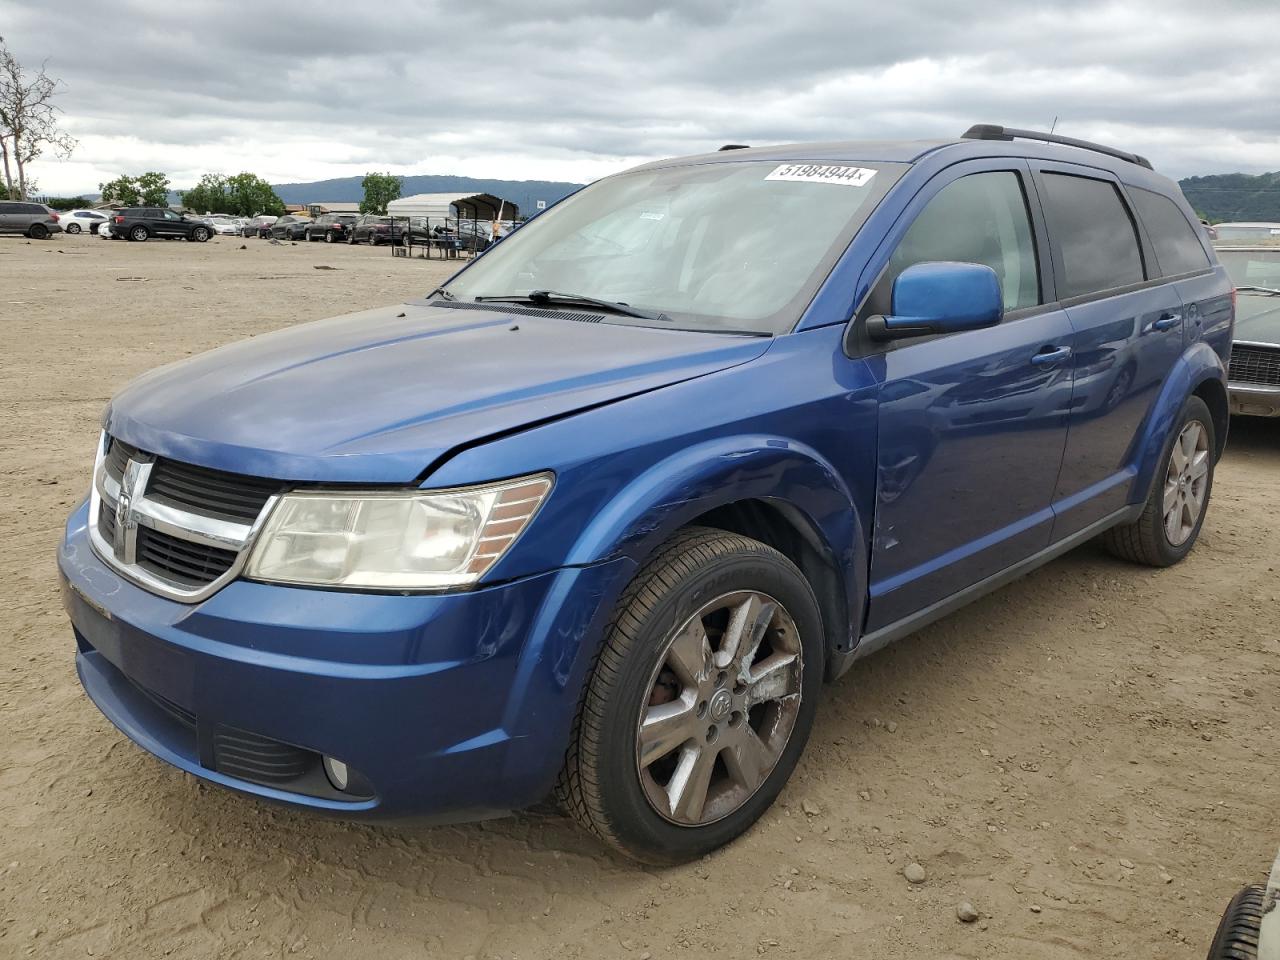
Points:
point(722, 705)
point(1186, 483)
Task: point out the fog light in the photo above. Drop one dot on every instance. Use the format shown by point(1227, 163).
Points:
point(336, 771)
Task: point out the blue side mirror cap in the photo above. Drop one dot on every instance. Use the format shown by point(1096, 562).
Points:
point(940, 297)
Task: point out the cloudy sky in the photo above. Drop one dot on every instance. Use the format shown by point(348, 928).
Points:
point(575, 89)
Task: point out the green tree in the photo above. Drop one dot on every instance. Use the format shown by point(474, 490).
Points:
point(209, 195)
point(379, 190)
point(123, 190)
point(249, 195)
point(154, 188)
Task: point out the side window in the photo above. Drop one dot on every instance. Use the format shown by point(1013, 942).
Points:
point(1177, 243)
point(170, 215)
point(1092, 228)
point(981, 218)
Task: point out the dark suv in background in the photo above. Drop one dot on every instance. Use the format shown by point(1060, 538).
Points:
point(375, 229)
point(330, 227)
point(33, 220)
point(290, 228)
point(143, 223)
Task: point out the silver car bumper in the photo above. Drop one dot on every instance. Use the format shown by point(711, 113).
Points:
point(1254, 399)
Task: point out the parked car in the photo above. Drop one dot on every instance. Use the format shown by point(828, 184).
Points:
point(259, 226)
point(598, 516)
point(83, 221)
point(226, 226)
point(290, 227)
point(330, 227)
point(33, 220)
point(143, 223)
point(1255, 356)
point(1247, 232)
point(374, 229)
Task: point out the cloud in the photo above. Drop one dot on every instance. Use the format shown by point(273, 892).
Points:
point(573, 90)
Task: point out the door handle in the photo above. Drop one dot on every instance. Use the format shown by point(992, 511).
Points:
point(1050, 355)
point(1168, 321)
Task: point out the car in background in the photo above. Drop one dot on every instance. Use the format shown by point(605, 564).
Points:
point(33, 220)
point(83, 221)
point(375, 230)
point(259, 226)
point(290, 227)
point(1247, 231)
point(330, 227)
point(143, 223)
point(226, 226)
point(1254, 375)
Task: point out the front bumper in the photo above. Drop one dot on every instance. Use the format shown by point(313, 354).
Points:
point(1254, 399)
point(451, 706)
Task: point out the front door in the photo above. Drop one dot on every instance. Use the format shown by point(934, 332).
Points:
point(971, 425)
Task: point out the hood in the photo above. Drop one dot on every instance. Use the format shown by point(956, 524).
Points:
point(379, 396)
point(1257, 318)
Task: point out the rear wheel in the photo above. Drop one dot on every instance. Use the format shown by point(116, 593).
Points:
point(139, 233)
point(73, 228)
point(38, 231)
point(328, 236)
point(1175, 509)
point(700, 702)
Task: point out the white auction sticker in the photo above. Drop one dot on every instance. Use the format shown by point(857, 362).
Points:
point(823, 173)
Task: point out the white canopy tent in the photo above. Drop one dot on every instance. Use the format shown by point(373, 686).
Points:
point(454, 206)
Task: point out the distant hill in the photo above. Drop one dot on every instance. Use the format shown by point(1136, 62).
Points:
point(1235, 196)
point(524, 193)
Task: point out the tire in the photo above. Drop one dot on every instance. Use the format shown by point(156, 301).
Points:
point(139, 233)
point(73, 228)
point(636, 805)
point(1154, 539)
point(328, 236)
point(351, 240)
point(38, 231)
point(1237, 935)
point(200, 235)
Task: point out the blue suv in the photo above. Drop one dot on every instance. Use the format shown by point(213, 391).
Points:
point(597, 517)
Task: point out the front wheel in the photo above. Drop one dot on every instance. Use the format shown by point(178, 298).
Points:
point(700, 702)
point(200, 234)
point(73, 228)
point(1175, 509)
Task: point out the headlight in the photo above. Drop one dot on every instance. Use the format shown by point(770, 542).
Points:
point(401, 540)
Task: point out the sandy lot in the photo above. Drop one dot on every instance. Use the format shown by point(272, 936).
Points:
point(1087, 756)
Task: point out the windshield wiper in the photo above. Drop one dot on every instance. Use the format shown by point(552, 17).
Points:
point(544, 297)
point(1268, 291)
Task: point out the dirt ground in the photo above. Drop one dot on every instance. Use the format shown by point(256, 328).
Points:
point(1087, 756)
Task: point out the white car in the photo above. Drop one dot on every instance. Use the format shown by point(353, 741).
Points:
point(226, 226)
point(83, 221)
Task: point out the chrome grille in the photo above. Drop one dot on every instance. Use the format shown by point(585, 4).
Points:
point(1250, 364)
point(177, 529)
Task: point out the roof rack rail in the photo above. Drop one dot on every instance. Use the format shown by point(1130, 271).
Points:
point(733, 146)
point(991, 131)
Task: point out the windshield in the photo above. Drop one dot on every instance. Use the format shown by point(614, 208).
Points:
point(733, 245)
point(1252, 268)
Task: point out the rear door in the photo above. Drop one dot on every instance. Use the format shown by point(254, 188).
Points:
point(8, 218)
point(971, 425)
point(1128, 331)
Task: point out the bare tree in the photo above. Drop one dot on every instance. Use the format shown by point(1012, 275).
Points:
point(28, 121)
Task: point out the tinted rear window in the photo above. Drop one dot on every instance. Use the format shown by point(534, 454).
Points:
point(1095, 234)
point(1177, 243)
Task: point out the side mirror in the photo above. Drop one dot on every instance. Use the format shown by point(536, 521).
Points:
point(942, 297)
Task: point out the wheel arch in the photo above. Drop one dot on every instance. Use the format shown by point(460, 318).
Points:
point(770, 489)
point(1198, 372)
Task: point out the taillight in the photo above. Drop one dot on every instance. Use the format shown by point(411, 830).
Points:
point(336, 226)
point(117, 219)
point(1233, 299)
point(54, 217)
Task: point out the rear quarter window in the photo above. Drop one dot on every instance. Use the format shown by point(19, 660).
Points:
point(1176, 242)
point(1094, 234)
